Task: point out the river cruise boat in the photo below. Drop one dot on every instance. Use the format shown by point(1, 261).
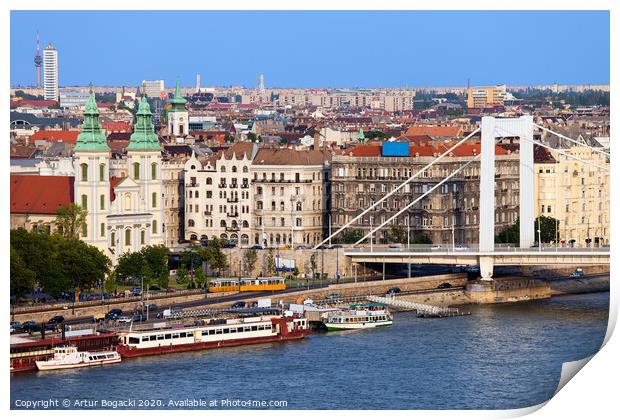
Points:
point(69, 357)
point(221, 332)
point(359, 317)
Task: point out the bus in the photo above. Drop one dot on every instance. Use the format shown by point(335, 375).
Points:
point(246, 284)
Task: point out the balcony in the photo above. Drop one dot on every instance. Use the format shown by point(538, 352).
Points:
point(245, 185)
point(232, 229)
point(233, 186)
point(207, 213)
point(233, 214)
point(221, 185)
point(192, 184)
point(232, 200)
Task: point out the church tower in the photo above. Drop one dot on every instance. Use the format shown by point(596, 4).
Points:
point(92, 181)
point(144, 168)
point(178, 117)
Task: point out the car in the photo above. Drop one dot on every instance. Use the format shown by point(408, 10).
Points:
point(136, 291)
point(577, 273)
point(15, 326)
point(256, 247)
point(155, 288)
point(124, 319)
point(334, 296)
point(301, 247)
point(31, 326)
point(393, 290)
point(472, 269)
point(322, 247)
point(171, 289)
point(58, 319)
point(336, 246)
point(151, 307)
point(461, 248)
point(444, 286)
point(229, 245)
point(113, 314)
point(98, 317)
point(435, 247)
point(238, 305)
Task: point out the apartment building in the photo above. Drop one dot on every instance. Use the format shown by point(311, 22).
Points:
point(483, 96)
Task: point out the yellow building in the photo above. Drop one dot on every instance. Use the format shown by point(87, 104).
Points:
point(483, 96)
point(574, 193)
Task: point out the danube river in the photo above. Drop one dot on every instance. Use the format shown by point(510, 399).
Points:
point(500, 357)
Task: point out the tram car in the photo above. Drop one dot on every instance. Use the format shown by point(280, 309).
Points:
point(247, 284)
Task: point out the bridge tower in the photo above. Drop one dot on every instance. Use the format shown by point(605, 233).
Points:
point(492, 128)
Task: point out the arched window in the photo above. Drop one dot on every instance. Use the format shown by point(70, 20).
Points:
point(234, 169)
point(127, 202)
point(245, 169)
point(127, 237)
point(209, 181)
point(102, 231)
point(197, 194)
point(84, 168)
point(190, 223)
point(259, 205)
point(154, 224)
point(246, 224)
point(222, 168)
point(223, 223)
point(84, 201)
point(136, 170)
point(113, 239)
point(142, 237)
point(153, 171)
point(154, 200)
point(102, 172)
point(102, 202)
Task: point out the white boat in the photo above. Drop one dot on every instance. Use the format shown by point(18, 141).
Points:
point(359, 317)
point(69, 357)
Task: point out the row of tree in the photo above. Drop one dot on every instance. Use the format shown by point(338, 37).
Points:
point(548, 231)
point(56, 263)
point(396, 234)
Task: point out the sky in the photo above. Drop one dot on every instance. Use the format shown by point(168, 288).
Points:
point(316, 48)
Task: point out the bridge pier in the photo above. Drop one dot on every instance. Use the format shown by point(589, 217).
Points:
point(486, 267)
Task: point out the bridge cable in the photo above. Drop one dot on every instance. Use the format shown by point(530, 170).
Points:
point(574, 141)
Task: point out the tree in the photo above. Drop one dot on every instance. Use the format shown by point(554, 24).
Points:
point(130, 265)
point(421, 239)
point(83, 266)
point(22, 278)
point(156, 264)
point(70, 219)
point(548, 226)
point(249, 260)
point(270, 262)
point(252, 137)
point(397, 235)
point(313, 265)
point(200, 278)
point(351, 236)
point(509, 235)
point(182, 278)
point(214, 256)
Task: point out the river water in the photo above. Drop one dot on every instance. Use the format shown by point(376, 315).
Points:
point(500, 357)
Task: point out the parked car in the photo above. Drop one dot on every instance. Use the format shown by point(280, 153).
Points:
point(461, 248)
point(435, 247)
point(256, 247)
point(113, 314)
point(151, 307)
point(124, 319)
point(98, 317)
point(577, 273)
point(444, 286)
point(300, 247)
point(31, 326)
point(15, 327)
point(393, 290)
point(334, 296)
point(335, 246)
point(155, 288)
point(238, 305)
point(136, 291)
point(58, 319)
point(322, 247)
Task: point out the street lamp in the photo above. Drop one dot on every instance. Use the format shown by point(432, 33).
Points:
point(539, 242)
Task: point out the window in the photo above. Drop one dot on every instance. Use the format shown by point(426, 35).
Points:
point(127, 237)
point(154, 226)
point(102, 172)
point(113, 239)
point(102, 232)
point(142, 237)
point(136, 170)
point(102, 202)
point(84, 230)
point(154, 200)
point(84, 201)
point(84, 168)
point(153, 171)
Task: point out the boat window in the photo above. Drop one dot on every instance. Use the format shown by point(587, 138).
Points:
point(190, 334)
point(233, 330)
point(182, 335)
point(168, 336)
point(134, 340)
point(175, 335)
point(153, 338)
point(246, 328)
point(145, 338)
point(218, 331)
point(160, 336)
point(226, 330)
point(254, 328)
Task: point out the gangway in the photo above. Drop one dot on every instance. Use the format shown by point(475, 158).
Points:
point(421, 308)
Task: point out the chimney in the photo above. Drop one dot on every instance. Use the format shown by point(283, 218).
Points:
point(317, 137)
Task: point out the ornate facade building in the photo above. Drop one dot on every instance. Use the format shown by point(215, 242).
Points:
point(361, 176)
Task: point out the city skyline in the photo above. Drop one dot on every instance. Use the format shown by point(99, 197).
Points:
point(225, 57)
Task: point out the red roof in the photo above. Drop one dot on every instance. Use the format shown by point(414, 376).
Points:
point(34, 102)
point(34, 194)
point(116, 126)
point(114, 181)
point(365, 150)
point(434, 131)
point(67, 136)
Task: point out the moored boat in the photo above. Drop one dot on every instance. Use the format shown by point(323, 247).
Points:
point(211, 333)
point(69, 357)
point(359, 317)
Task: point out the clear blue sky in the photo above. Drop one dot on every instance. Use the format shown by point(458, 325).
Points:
point(317, 49)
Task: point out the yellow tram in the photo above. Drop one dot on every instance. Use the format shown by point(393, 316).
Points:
point(247, 284)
